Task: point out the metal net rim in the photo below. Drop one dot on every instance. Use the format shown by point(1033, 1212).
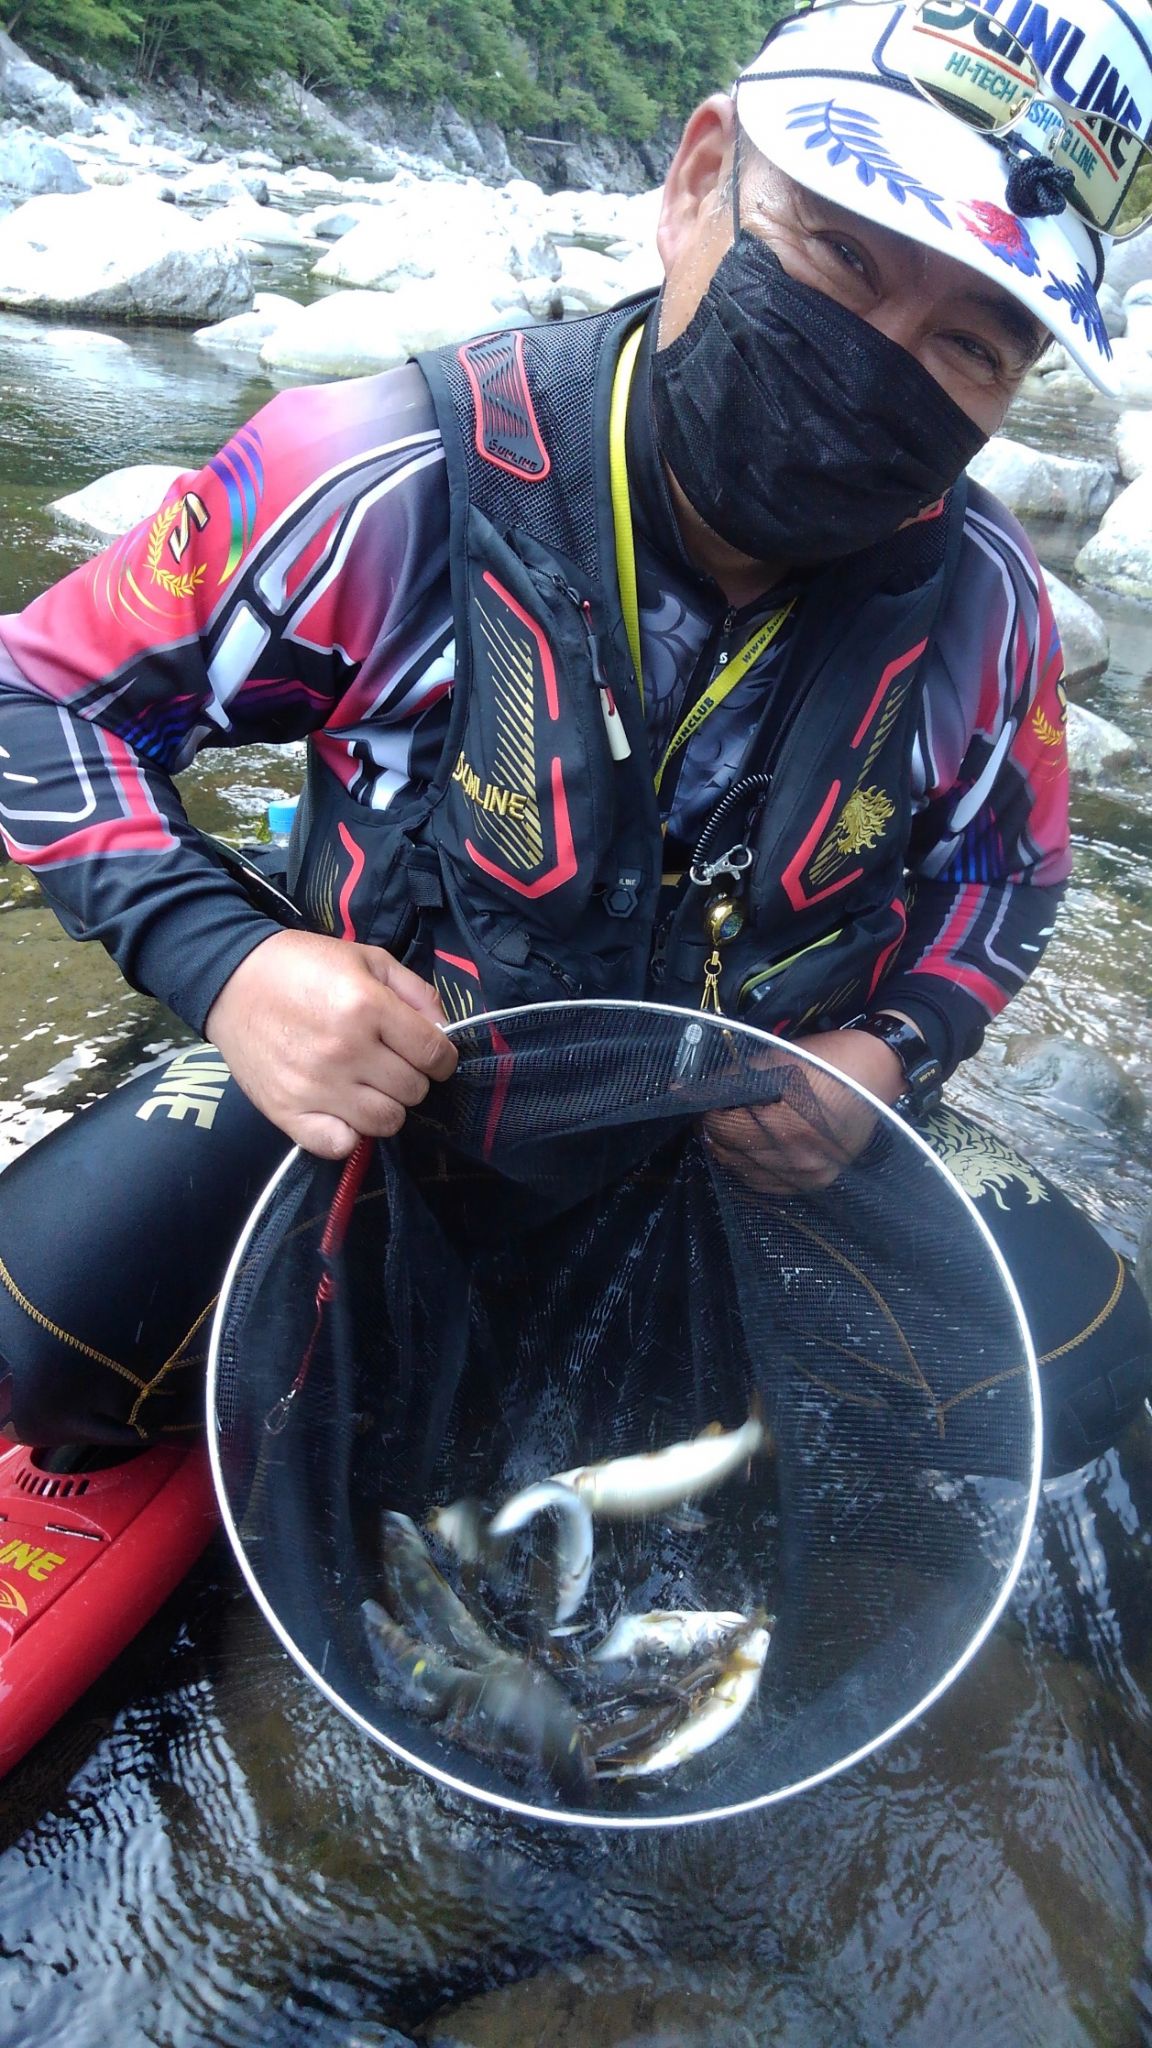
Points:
point(574, 1817)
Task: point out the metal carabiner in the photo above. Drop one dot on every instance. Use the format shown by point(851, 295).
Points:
point(735, 862)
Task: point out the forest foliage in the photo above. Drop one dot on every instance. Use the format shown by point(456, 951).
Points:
point(545, 67)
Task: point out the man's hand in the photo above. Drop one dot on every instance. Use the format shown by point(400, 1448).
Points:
point(780, 1150)
point(332, 1042)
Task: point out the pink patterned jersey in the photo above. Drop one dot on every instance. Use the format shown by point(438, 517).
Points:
point(298, 587)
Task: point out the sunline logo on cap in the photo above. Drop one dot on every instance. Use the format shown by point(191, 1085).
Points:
point(1056, 46)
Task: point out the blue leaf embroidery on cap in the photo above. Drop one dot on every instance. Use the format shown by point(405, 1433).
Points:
point(849, 136)
point(1085, 307)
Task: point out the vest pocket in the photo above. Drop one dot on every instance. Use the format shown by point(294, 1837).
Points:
point(528, 810)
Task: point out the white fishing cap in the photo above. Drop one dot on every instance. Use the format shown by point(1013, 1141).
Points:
point(827, 102)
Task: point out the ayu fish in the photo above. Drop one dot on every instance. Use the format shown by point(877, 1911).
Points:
point(510, 1712)
point(573, 1547)
point(714, 1716)
point(648, 1483)
point(666, 1633)
point(422, 1601)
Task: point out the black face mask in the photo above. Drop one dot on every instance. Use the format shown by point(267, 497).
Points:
point(796, 430)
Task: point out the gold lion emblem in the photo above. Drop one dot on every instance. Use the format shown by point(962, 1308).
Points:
point(980, 1163)
point(863, 820)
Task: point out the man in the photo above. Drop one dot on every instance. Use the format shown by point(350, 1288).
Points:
point(664, 653)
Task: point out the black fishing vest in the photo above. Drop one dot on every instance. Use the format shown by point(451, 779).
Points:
point(529, 868)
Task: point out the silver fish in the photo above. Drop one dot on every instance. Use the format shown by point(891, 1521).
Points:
point(717, 1712)
point(573, 1552)
point(423, 1602)
point(649, 1482)
point(509, 1711)
point(671, 1632)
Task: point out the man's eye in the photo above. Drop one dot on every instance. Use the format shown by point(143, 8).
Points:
point(980, 353)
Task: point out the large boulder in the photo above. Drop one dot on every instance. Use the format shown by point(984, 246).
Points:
point(433, 230)
point(1083, 634)
point(111, 256)
point(1134, 444)
point(33, 94)
point(351, 334)
point(215, 185)
point(1097, 749)
point(1036, 485)
point(115, 503)
point(1119, 557)
point(1130, 262)
point(267, 227)
point(29, 164)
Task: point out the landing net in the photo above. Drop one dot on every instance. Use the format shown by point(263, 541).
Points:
point(586, 1247)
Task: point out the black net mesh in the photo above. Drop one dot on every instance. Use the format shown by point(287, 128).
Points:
point(587, 1247)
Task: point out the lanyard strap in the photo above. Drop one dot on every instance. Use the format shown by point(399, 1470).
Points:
point(621, 504)
point(723, 685)
point(761, 640)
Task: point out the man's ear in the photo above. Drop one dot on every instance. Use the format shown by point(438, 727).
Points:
point(697, 178)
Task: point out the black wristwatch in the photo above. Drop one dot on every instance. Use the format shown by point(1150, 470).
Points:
point(923, 1089)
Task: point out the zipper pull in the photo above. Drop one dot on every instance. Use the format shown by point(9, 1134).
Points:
point(726, 625)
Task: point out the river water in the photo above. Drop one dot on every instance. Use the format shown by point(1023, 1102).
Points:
point(205, 1854)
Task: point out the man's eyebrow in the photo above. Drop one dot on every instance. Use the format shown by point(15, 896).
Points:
point(1022, 329)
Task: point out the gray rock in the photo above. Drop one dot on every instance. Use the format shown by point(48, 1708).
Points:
point(248, 332)
point(1081, 1077)
point(29, 164)
point(108, 255)
point(1036, 485)
point(1129, 263)
point(1119, 557)
point(115, 503)
point(330, 223)
point(269, 227)
point(1083, 634)
point(1096, 747)
point(1057, 381)
point(1134, 444)
point(28, 90)
point(213, 185)
point(1113, 309)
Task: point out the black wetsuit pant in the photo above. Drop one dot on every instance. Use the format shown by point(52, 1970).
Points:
point(116, 1232)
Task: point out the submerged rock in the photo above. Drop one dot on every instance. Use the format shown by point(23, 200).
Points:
point(249, 331)
point(1119, 557)
point(1083, 634)
point(115, 503)
point(1036, 485)
point(112, 256)
point(1082, 1077)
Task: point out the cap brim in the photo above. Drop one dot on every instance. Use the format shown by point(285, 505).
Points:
point(898, 160)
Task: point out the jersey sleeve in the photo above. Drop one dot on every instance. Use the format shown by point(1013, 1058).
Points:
point(247, 608)
point(990, 850)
